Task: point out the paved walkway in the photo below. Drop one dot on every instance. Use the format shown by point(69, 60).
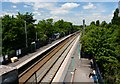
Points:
point(82, 71)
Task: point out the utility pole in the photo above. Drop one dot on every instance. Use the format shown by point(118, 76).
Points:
point(36, 35)
point(26, 35)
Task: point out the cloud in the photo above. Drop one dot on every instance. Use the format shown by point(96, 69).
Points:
point(14, 6)
point(36, 13)
point(89, 6)
point(93, 17)
point(69, 5)
point(7, 13)
point(38, 5)
point(15, 1)
point(97, 16)
point(26, 6)
point(59, 11)
point(64, 9)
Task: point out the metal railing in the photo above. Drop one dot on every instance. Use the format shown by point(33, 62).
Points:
point(99, 76)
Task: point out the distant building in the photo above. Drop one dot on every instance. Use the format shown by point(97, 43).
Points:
point(119, 7)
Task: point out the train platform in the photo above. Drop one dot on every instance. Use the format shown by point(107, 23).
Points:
point(79, 70)
point(21, 61)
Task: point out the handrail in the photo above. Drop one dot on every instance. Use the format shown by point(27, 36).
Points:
point(99, 76)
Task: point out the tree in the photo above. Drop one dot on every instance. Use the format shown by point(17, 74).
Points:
point(103, 24)
point(64, 27)
point(92, 23)
point(13, 31)
point(97, 23)
point(116, 18)
point(28, 17)
point(45, 29)
point(31, 32)
point(14, 35)
point(100, 43)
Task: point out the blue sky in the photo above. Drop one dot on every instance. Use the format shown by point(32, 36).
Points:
point(72, 11)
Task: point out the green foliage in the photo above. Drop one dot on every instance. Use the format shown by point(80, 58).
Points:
point(103, 24)
point(102, 41)
point(64, 28)
point(97, 23)
point(45, 29)
point(92, 23)
point(116, 18)
point(13, 31)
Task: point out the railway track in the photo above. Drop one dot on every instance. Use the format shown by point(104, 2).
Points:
point(45, 69)
point(48, 77)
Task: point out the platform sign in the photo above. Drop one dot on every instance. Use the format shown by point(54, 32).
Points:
point(19, 51)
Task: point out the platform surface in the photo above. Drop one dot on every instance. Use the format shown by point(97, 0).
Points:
point(82, 71)
point(30, 55)
point(5, 69)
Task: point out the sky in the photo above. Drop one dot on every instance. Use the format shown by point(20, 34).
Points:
point(72, 11)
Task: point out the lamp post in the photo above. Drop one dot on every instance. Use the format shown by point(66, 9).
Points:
point(26, 35)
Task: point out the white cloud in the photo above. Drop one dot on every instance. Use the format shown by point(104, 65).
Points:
point(99, 17)
point(69, 5)
point(25, 6)
point(65, 8)
point(13, 1)
point(8, 13)
point(92, 17)
point(57, 11)
point(14, 6)
point(16, 1)
point(60, 0)
point(37, 13)
point(89, 6)
point(38, 5)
